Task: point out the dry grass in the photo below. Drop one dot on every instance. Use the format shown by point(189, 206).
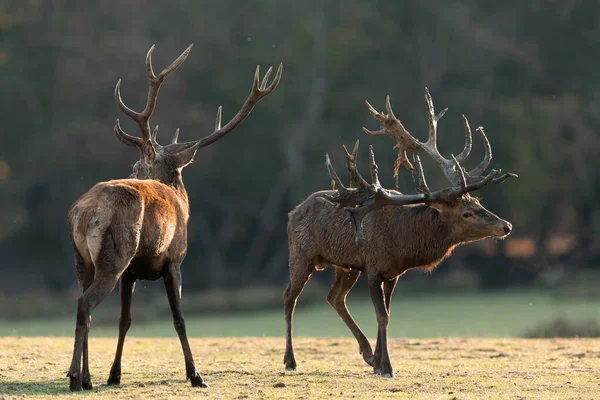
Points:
point(240, 368)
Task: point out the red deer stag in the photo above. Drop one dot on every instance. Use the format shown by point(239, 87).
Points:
point(136, 228)
point(404, 231)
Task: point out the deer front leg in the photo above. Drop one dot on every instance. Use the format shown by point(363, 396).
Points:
point(127, 288)
point(172, 279)
point(388, 290)
point(378, 298)
point(343, 283)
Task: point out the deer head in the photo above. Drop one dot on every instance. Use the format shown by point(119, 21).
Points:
point(164, 163)
point(470, 220)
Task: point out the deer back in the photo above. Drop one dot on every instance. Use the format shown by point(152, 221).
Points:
point(147, 212)
point(396, 238)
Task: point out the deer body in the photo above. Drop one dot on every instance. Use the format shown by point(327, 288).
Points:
point(390, 232)
point(147, 218)
point(322, 233)
point(129, 229)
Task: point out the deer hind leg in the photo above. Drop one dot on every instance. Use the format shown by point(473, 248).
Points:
point(127, 288)
point(300, 273)
point(110, 263)
point(85, 277)
point(345, 279)
point(388, 290)
point(172, 279)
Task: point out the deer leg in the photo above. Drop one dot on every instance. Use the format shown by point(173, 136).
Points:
point(86, 379)
point(343, 283)
point(298, 279)
point(127, 288)
point(172, 279)
point(85, 277)
point(388, 290)
point(93, 296)
point(378, 298)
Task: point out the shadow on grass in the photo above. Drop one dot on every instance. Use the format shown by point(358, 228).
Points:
point(44, 387)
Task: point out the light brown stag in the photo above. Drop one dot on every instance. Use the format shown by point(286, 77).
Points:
point(136, 228)
point(392, 233)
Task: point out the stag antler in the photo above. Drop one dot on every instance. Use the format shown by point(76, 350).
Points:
point(391, 126)
point(148, 145)
point(367, 197)
point(143, 118)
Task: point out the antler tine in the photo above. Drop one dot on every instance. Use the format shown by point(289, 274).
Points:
point(126, 138)
point(175, 136)
point(218, 120)
point(433, 120)
point(355, 177)
point(468, 141)
point(373, 167)
point(256, 94)
point(461, 175)
point(378, 116)
point(142, 118)
point(476, 172)
point(155, 134)
point(263, 84)
point(175, 64)
point(337, 182)
point(388, 107)
point(423, 188)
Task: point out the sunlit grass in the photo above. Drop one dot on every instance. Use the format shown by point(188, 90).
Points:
point(242, 367)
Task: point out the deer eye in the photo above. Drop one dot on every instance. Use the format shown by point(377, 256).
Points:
point(467, 215)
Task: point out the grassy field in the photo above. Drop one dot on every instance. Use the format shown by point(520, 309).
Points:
point(240, 368)
point(506, 314)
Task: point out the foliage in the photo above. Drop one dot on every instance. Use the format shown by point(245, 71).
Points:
point(565, 328)
point(525, 70)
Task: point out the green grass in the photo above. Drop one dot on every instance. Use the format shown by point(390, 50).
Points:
point(242, 367)
point(506, 314)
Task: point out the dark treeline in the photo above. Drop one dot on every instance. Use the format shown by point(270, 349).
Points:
point(526, 70)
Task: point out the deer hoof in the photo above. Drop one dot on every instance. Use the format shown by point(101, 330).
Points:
point(388, 375)
point(87, 384)
point(75, 383)
point(197, 381)
point(369, 360)
point(113, 380)
point(291, 368)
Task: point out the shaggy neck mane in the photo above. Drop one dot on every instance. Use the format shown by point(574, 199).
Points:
point(424, 240)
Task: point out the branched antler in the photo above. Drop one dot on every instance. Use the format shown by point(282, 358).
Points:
point(391, 126)
point(365, 197)
point(147, 143)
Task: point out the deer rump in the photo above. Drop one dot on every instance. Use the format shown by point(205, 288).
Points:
point(137, 219)
point(396, 238)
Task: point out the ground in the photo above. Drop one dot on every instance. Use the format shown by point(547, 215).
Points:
point(252, 367)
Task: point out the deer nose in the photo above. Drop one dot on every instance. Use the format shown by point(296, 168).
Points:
point(507, 228)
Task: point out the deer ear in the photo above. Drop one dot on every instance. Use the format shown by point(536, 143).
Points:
point(186, 157)
point(148, 152)
point(439, 207)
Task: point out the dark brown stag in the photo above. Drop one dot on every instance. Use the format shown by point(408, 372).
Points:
point(390, 234)
point(136, 228)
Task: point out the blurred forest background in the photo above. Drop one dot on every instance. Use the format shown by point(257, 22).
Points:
point(526, 71)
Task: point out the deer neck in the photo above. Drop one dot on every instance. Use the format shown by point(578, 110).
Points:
point(423, 239)
point(175, 182)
